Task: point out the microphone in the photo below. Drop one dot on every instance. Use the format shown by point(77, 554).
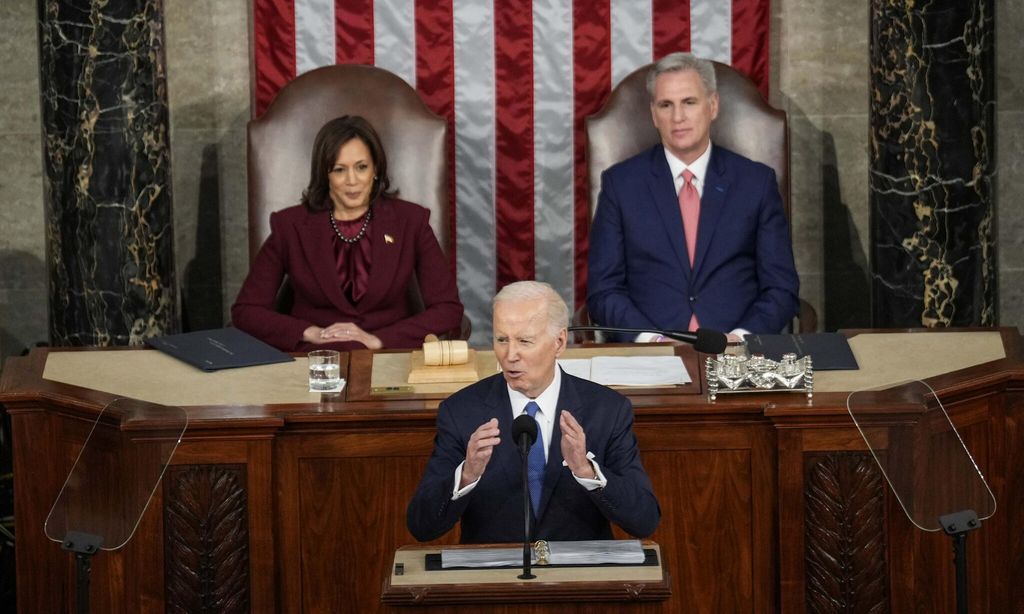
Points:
point(524, 433)
point(704, 340)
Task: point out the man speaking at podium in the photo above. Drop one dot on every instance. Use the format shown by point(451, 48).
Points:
point(585, 469)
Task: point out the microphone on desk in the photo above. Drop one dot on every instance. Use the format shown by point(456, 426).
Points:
point(524, 433)
point(704, 340)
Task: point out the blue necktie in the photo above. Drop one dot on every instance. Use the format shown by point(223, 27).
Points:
point(535, 472)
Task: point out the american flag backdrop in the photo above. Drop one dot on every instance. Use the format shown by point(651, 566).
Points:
point(515, 79)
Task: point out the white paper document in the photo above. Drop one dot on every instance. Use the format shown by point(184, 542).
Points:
point(628, 370)
point(638, 370)
point(580, 367)
point(597, 552)
point(591, 552)
point(481, 557)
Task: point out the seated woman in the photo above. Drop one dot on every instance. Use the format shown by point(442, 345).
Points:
point(350, 252)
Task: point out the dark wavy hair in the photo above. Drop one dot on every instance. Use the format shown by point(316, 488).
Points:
point(326, 146)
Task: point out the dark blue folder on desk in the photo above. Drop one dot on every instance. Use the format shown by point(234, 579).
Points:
point(829, 351)
point(219, 348)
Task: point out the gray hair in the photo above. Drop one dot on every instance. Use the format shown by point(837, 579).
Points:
point(557, 311)
point(682, 61)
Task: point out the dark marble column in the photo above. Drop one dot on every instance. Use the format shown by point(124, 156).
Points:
point(932, 163)
point(107, 171)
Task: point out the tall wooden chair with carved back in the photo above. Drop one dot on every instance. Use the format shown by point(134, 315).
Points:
point(746, 124)
point(280, 142)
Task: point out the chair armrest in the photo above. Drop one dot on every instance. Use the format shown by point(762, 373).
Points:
point(807, 320)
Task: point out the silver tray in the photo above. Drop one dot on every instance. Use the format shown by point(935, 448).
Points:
point(737, 374)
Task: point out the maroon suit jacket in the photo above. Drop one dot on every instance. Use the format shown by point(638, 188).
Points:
point(300, 247)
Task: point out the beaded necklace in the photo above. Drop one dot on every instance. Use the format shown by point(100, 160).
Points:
point(362, 229)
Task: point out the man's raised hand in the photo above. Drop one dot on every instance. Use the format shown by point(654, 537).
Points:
point(478, 451)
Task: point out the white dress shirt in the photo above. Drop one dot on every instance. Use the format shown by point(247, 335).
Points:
point(699, 168)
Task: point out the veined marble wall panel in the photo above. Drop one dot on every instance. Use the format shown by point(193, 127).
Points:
point(23, 288)
point(208, 84)
point(932, 149)
point(106, 172)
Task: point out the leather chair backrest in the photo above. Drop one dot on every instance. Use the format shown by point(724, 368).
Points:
point(746, 124)
point(280, 142)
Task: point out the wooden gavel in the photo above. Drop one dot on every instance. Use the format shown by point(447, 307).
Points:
point(441, 353)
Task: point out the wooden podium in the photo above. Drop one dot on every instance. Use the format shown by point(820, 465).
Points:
point(295, 502)
point(602, 588)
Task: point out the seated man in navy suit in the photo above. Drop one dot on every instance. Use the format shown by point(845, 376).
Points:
point(688, 233)
point(590, 472)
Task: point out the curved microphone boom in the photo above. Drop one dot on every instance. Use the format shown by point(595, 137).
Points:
point(524, 433)
point(704, 340)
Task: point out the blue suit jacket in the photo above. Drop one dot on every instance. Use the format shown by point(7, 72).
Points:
point(640, 275)
point(493, 511)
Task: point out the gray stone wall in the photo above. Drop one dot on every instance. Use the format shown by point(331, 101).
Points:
point(208, 87)
point(1010, 161)
point(819, 76)
point(23, 281)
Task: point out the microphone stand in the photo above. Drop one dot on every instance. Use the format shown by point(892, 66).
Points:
point(524, 450)
point(84, 546)
point(957, 525)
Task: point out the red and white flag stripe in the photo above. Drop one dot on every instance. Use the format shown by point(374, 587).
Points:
point(515, 79)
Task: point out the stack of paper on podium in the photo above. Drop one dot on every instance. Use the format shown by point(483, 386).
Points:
point(588, 552)
point(629, 370)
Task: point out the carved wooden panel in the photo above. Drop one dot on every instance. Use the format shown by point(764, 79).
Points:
point(206, 539)
point(844, 534)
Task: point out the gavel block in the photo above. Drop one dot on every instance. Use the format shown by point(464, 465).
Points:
point(442, 361)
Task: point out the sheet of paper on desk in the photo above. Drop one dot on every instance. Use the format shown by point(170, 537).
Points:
point(481, 557)
point(638, 370)
point(597, 552)
point(586, 552)
point(580, 367)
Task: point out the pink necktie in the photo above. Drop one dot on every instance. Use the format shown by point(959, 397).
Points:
point(689, 206)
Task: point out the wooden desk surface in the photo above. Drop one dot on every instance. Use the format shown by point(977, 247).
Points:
point(883, 357)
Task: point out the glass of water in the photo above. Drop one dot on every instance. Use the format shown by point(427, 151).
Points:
point(324, 371)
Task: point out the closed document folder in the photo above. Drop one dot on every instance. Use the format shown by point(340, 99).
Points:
point(828, 351)
point(219, 348)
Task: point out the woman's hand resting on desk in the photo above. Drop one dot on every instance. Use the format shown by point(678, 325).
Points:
point(341, 331)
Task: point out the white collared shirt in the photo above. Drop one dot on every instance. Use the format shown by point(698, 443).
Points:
point(547, 403)
point(699, 168)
